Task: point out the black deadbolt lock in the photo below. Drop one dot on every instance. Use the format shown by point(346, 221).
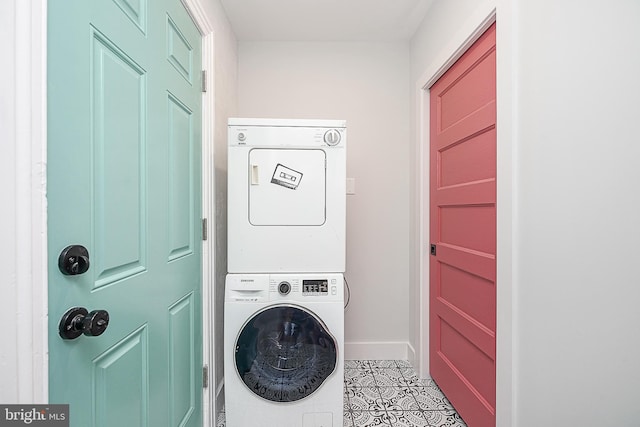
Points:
point(74, 260)
point(77, 321)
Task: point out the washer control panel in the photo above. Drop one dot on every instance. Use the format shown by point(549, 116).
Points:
point(315, 287)
point(293, 287)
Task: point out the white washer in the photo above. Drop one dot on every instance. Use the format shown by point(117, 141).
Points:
point(286, 196)
point(284, 339)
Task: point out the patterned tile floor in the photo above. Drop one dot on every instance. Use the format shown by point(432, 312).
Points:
point(389, 393)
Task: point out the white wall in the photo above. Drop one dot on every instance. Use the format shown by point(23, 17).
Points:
point(567, 94)
point(8, 175)
point(366, 84)
point(578, 225)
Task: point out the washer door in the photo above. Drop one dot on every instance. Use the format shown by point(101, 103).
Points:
point(285, 353)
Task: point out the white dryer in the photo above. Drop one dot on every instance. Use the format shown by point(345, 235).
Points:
point(283, 341)
point(286, 195)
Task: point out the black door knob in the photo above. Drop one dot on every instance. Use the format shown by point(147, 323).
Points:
point(77, 321)
point(74, 260)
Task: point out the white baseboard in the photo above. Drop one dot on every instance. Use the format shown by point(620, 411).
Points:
point(378, 350)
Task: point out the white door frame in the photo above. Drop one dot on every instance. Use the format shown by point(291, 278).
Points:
point(209, 397)
point(25, 298)
point(487, 12)
point(29, 296)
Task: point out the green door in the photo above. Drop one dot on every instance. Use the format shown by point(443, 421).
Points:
point(124, 156)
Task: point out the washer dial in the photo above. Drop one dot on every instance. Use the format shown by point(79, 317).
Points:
point(284, 288)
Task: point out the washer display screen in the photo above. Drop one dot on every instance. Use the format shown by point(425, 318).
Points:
point(284, 354)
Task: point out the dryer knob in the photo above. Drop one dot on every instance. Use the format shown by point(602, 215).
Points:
point(284, 288)
point(332, 137)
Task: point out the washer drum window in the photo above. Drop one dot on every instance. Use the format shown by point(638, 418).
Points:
point(285, 353)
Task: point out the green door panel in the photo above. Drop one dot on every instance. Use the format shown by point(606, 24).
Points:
point(124, 156)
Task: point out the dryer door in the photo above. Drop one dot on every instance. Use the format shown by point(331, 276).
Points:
point(287, 186)
point(285, 353)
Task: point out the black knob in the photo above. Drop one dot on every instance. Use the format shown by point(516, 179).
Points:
point(74, 260)
point(77, 321)
point(284, 288)
point(95, 323)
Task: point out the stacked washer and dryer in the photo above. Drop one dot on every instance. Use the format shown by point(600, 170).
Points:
point(284, 314)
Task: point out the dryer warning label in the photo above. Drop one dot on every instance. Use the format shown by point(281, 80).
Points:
point(286, 177)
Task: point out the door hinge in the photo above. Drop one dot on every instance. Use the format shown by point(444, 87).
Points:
point(204, 80)
point(205, 376)
point(204, 229)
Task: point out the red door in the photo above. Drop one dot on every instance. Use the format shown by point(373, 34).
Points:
point(463, 230)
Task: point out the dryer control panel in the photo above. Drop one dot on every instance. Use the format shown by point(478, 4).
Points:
point(287, 133)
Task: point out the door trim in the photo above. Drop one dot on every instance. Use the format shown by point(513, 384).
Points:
point(30, 299)
point(211, 398)
point(31, 379)
point(464, 39)
point(469, 31)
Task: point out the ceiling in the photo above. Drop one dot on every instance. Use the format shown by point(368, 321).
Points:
point(325, 20)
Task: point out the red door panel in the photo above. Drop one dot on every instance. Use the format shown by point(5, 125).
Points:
point(463, 228)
